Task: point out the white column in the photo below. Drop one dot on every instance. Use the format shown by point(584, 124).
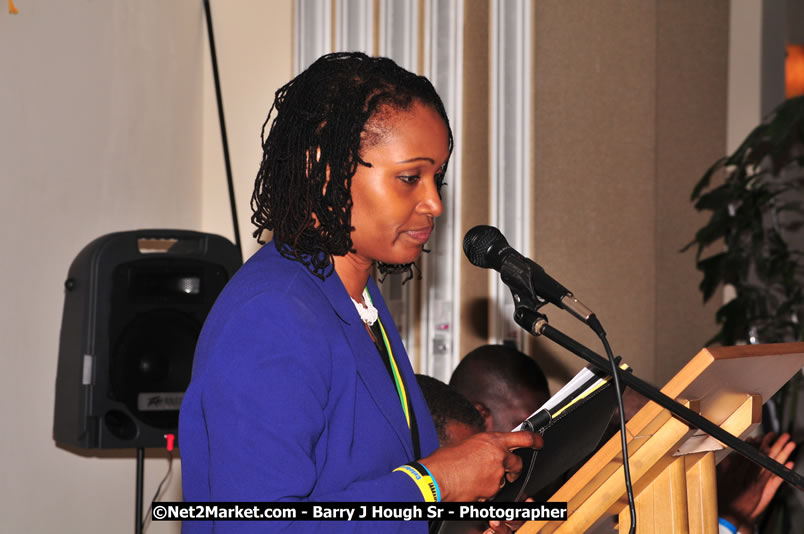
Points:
point(354, 21)
point(443, 52)
point(312, 32)
point(398, 32)
point(510, 148)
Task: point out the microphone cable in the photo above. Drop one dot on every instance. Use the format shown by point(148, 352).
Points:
point(597, 328)
point(170, 440)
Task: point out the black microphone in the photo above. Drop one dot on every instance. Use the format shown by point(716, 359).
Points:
point(486, 247)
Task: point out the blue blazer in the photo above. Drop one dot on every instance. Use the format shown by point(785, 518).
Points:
point(290, 401)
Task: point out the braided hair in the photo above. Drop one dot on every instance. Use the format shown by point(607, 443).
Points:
point(324, 118)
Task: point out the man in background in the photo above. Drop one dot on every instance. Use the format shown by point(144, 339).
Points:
point(455, 418)
point(505, 385)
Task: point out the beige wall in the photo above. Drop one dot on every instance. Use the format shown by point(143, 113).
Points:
point(594, 156)
point(102, 106)
point(475, 189)
point(692, 88)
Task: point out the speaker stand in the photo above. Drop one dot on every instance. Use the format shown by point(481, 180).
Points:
point(138, 492)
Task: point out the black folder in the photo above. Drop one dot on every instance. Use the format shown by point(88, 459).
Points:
point(573, 424)
point(571, 436)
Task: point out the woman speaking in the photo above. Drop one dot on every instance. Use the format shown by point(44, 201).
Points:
point(301, 388)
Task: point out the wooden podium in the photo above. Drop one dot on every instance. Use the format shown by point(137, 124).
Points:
point(672, 464)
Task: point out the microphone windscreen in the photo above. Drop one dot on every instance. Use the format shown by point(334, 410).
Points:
point(478, 241)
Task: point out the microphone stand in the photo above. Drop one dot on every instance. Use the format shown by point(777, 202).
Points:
point(536, 324)
point(138, 491)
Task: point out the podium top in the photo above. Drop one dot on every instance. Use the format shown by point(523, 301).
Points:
point(720, 377)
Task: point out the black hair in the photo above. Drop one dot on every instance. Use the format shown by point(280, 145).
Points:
point(495, 367)
point(446, 405)
point(313, 148)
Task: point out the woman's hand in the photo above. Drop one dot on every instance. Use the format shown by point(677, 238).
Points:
point(474, 468)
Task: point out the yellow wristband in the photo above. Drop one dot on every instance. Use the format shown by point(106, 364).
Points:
point(423, 480)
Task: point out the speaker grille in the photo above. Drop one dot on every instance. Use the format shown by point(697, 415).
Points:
point(153, 355)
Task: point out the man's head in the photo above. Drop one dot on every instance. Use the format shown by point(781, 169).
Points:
point(505, 385)
point(455, 418)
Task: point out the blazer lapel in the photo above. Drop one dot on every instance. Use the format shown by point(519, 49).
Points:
point(370, 368)
point(428, 439)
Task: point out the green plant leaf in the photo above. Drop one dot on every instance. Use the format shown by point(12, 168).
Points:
point(753, 211)
point(713, 269)
point(715, 230)
point(718, 199)
point(703, 183)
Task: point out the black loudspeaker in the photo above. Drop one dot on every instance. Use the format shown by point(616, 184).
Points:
point(133, 309)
